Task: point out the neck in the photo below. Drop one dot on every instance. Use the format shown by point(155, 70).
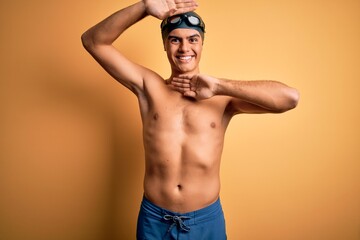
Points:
point(189, 73)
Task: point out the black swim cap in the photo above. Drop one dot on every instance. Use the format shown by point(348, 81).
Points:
point(186, 20)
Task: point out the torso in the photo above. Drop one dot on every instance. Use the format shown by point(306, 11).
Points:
point(183, 141)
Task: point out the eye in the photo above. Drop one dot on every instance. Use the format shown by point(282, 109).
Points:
point(194, 40)
point(174, 40)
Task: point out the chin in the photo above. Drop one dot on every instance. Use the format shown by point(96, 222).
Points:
point(187, 69)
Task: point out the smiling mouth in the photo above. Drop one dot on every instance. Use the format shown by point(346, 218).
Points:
point(184, 59)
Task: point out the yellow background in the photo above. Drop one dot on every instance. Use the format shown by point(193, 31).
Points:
point(71, 151)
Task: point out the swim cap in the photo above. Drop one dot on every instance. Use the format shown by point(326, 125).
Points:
point(189, 20)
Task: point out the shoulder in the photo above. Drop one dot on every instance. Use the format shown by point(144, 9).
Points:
point(153, 87)
point(152, 80)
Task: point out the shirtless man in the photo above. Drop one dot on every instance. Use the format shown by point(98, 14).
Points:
point(184, 119)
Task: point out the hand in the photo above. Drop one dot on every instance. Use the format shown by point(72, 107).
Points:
point(198, 86)
point(162, 9)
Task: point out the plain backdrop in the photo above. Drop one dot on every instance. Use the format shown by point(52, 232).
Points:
point(71, 155)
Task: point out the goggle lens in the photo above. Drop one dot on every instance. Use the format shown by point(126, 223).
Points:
point(191, 19)
point(194, 20)
point(174, 20)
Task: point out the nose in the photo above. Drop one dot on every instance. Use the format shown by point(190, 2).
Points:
point(184, 47)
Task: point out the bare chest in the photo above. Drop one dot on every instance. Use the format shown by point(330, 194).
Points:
point(176, 113)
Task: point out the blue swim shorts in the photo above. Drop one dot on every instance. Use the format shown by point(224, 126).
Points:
point(155, 223)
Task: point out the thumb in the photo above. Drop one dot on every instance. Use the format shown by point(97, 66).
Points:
point(191, 94)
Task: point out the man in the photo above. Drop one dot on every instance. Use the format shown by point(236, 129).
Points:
point(184, 119)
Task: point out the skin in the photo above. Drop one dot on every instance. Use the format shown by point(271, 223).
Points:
point(185, 116)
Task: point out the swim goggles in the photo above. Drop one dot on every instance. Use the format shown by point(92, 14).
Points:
point(189, 18)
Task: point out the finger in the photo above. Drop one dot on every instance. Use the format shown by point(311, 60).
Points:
point(180, 84)
point(184, 8)
point(185, 76)
point(181, 80)
point(180, 89)
point(190, 94)
point(187, 3)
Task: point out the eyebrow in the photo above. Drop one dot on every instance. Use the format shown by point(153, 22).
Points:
point(194, 35)
point(191, 36)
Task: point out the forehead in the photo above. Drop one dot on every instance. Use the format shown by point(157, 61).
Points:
point(184, 32)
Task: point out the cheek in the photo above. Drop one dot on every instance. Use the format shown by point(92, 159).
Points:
point(169, 55)
point(171, 51)
point(198, 51)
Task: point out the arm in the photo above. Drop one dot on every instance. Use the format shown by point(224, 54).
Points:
point(98, 40)
point(246, 96)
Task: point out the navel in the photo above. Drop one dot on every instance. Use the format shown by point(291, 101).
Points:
point(156, 116)
point(179, 187)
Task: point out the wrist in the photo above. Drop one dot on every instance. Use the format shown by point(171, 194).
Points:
point(220, 86)
point(143, 8)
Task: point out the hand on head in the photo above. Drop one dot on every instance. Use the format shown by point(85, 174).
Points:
point(162, 9)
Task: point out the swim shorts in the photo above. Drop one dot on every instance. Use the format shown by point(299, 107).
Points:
point(155, 223)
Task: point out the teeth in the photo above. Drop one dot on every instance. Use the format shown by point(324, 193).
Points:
point(185, 58)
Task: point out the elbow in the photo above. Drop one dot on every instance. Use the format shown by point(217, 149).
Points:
point(86, 41)
point(294, 97)
point(89, 41)
point(291, 100)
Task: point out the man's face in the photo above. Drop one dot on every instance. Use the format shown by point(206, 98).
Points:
point(184, 47)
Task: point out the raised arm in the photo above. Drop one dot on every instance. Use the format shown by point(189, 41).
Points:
point(98, 40)
point(263, 96)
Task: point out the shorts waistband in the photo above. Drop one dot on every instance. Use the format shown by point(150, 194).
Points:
point(189, 218)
